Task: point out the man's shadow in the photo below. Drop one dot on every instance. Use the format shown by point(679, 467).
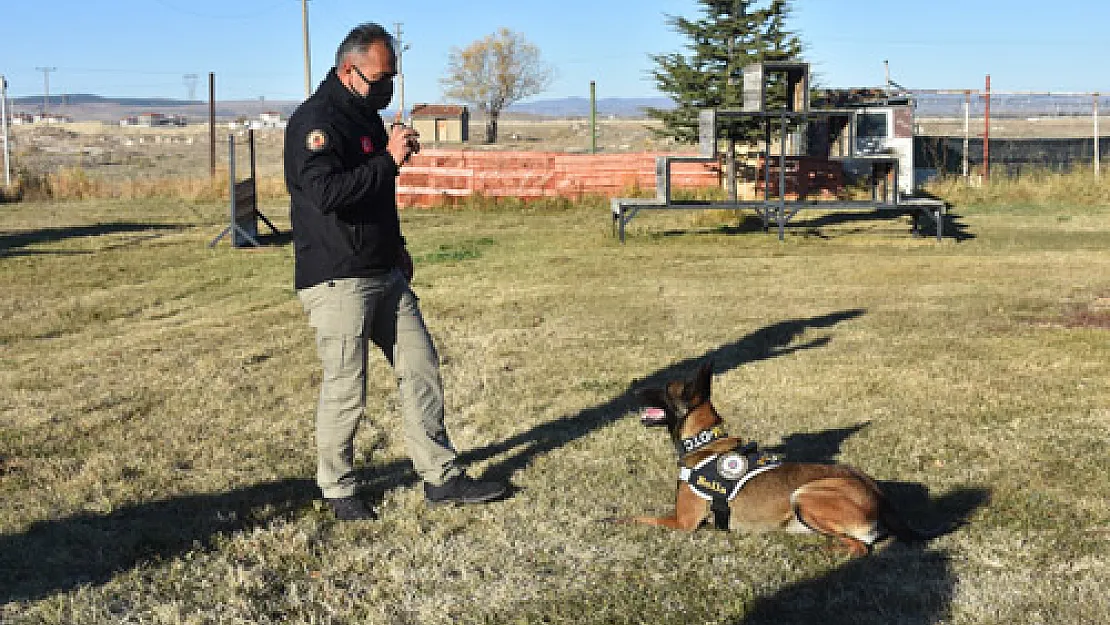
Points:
point(765, 343)
point(58, 555)
point(63, 554)
point(14, 243)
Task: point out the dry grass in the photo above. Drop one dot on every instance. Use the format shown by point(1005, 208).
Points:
point(75, 183)
point(1041, 189)
point(156, 403)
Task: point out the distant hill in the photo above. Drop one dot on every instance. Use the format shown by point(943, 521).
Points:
point(90, 107)
point(580, 107)
point(80, 99)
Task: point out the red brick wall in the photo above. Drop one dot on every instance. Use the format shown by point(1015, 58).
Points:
point(443, 176)
point(806, 177)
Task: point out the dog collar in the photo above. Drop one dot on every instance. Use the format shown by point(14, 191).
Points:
point(690, 444)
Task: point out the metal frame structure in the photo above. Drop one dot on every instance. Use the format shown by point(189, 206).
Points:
point(884, 167)
point(244, 213)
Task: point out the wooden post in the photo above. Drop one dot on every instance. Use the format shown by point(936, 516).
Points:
point(212, 122)
point(307, 55)
point(593, 117)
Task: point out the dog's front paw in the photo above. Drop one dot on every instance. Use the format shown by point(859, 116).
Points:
point(616, 520)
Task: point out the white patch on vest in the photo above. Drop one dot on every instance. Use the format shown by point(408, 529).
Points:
point(732, 465)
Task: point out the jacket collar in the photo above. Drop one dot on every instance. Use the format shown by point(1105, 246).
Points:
point(336, 92)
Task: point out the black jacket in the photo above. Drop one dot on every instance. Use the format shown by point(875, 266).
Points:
point(342, 188)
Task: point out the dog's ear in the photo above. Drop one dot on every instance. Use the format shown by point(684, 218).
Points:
point(699, 387)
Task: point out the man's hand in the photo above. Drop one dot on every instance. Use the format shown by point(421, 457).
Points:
point(404, 261)
point(403, 142)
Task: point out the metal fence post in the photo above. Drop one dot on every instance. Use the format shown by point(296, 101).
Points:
point(967, 132)
point(987, 132)
point(231, 180)
point(1097, 158)
point(4, 122)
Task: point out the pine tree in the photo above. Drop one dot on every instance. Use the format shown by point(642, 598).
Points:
point(730, 35)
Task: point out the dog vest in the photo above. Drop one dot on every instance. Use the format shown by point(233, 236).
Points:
point(719, 477)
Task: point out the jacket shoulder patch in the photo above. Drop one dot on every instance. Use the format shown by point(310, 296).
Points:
point(316, 140)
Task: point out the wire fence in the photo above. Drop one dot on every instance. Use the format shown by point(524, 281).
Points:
point(959, 131)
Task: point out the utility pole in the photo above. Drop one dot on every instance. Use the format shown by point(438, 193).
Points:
point(307, 60)
point(46, 86)
point(401, 47)
point(190, 87)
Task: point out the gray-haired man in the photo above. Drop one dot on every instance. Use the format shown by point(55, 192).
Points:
point(352, 273)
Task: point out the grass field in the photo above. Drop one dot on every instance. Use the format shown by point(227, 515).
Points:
point(157, 397)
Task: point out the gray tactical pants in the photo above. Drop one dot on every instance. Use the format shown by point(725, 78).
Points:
point(347, 315)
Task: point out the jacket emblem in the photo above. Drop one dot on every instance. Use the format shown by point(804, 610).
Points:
point(316, 140)
point(367, 145)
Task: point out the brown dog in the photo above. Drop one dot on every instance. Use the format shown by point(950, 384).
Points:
point(749, 491)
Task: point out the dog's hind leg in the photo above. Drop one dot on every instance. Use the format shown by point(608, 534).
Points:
point(839, 508)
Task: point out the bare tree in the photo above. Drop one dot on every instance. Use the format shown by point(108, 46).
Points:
point(494, 72)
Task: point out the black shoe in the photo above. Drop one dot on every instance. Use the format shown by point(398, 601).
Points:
point(463, 489)
point(351, 509)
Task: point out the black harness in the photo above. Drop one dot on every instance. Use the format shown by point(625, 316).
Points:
point(719, 477)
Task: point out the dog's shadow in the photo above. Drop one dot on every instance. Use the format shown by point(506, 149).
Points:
point(908, 586)
point(905, 584)
point(818, 447)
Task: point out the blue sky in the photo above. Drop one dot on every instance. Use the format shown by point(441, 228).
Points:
point(145, 47)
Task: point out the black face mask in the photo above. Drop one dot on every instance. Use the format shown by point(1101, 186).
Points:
point(380, 93)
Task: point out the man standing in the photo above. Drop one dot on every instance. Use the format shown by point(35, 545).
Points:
point(352, 274)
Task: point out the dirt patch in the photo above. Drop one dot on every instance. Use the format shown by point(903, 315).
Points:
point(1094, 315)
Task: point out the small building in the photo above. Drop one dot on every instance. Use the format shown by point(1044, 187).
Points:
point(441, 123)
point(51, 118)
point(273, 118)
point(153, 120)
point(269, 119)
point(150, 120)
point(21, 119)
